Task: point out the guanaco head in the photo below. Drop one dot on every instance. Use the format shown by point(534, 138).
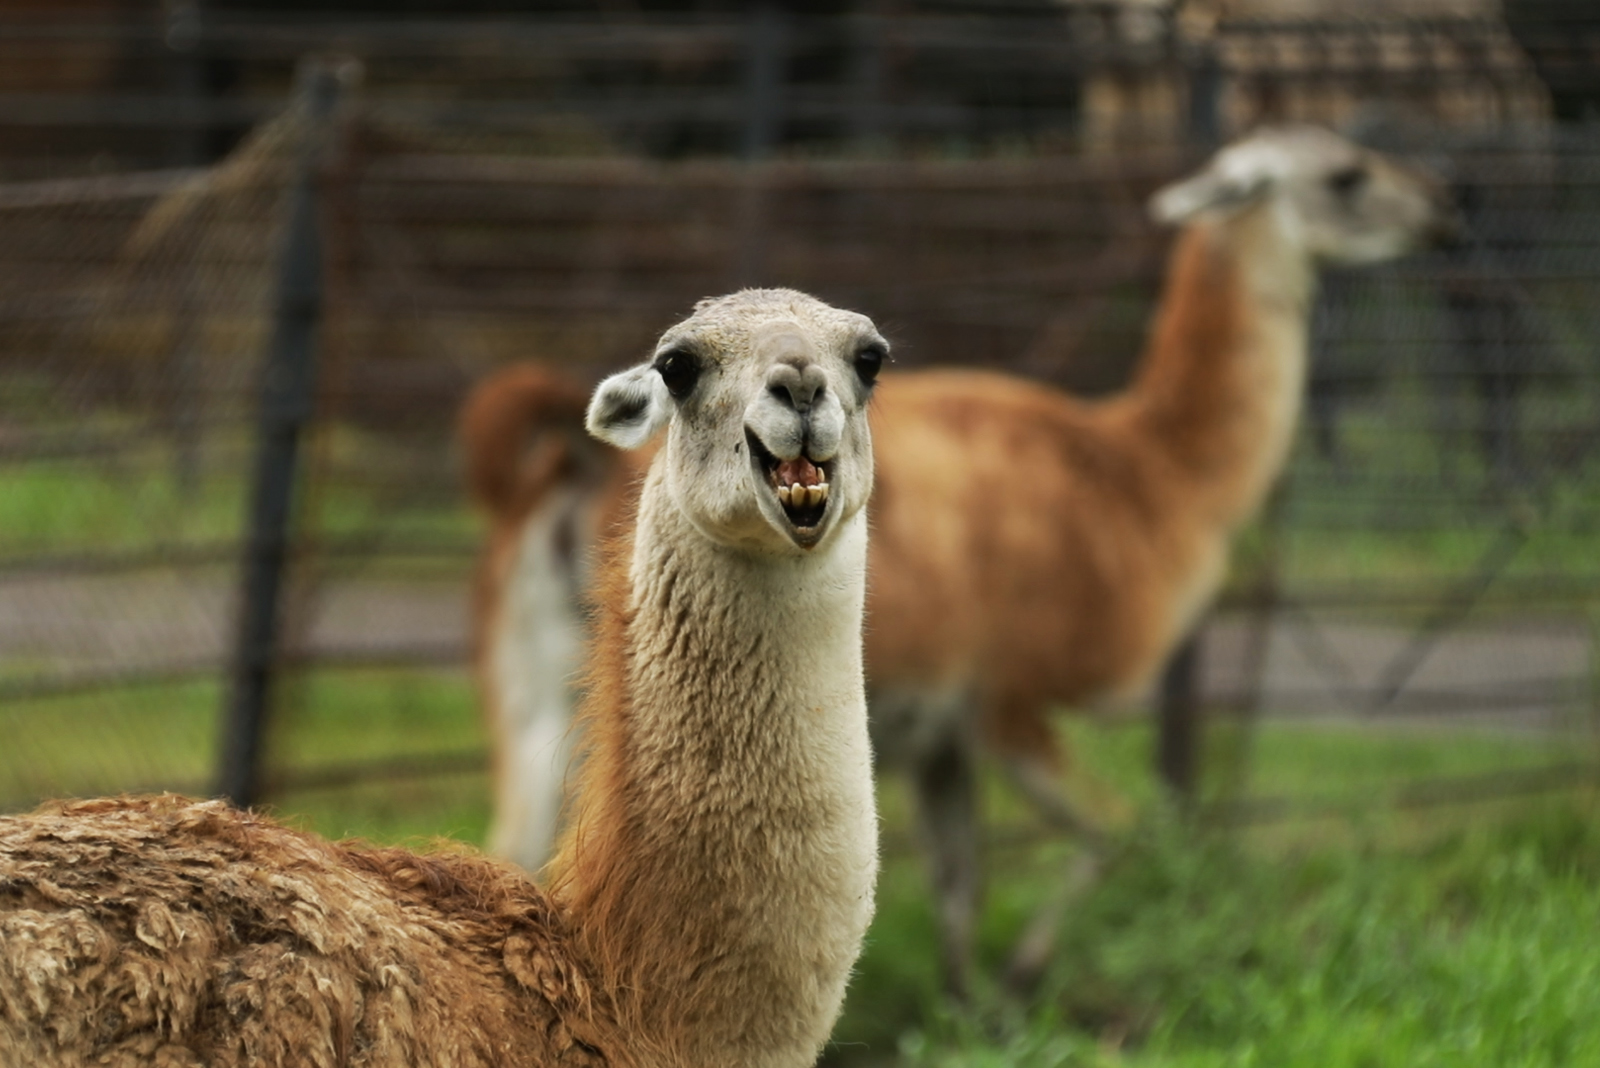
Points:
point(1341, 202)
point(764, 395)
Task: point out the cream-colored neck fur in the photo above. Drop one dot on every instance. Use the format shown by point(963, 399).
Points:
point(1279, 284)
point(724, 874)
point(1223, 383)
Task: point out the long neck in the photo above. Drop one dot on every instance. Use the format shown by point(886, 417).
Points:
point(1220, 387)
point(722, 865)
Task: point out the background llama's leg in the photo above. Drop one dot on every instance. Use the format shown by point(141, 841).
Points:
point(1033, 765)
point(944, 775)
point(1033, 951)
point(929, 734)
point(1037, 777)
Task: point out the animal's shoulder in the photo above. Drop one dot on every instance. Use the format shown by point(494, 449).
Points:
point(232, 939)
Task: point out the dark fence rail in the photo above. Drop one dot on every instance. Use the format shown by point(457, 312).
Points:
point(559, 189)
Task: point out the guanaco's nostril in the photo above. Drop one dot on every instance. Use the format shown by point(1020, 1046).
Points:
point(797, 386)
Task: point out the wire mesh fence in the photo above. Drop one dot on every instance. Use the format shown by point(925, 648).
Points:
point(559, 189)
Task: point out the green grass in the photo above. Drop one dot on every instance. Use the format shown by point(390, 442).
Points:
point(350, 717)
point(52, 508)
point(1375, 937)
point(1443, 937)
point(1192, 951)
point(131, 501)
point(166, 736)
point(331, 716)
point(415, 813)
point(136, 737)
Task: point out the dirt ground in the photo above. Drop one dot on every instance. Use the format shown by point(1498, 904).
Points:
point(1523, 671)
point(167, 620)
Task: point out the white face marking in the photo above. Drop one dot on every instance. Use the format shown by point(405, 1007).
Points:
point(1339, 202)
point(764, 394)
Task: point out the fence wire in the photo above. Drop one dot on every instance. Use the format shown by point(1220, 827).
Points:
point(559, 189)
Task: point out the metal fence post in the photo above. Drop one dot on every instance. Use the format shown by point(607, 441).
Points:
point(866, 125)
point(1205, 95)
point(1179, 727)
point(181, 394)
point(287, 395)
point(1178, 722)
point(765, 63)
point(763, 79)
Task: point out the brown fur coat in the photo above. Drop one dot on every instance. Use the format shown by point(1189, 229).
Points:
point(176, 933)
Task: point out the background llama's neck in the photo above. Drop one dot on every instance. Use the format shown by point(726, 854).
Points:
point(533, 650)
point(722, 866)
point(1221, 385)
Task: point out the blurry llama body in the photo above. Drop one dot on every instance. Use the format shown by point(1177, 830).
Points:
point(1120, 510)
point(709, 903)
point(1031, 549)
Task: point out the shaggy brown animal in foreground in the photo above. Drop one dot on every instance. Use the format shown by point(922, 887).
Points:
point(1030, 550)
point(174, 932)
point(710, 900)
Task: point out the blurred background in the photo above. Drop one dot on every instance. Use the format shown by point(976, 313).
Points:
point(254, 255)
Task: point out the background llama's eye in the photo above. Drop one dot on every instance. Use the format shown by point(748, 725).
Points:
point(869, 361)
point(1347, 180)
point(680, 370)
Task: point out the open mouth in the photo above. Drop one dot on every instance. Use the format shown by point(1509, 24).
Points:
point(801, 485)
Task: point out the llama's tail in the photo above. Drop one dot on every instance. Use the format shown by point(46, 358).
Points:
point(521, 431)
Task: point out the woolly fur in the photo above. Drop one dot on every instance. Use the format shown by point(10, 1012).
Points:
point(178, 933)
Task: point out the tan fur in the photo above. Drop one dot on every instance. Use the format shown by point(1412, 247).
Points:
point(165, 931)
point(505, 474)
point(705, 914)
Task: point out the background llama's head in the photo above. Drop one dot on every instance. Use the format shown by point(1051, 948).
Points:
point(764, 393)
point(1341, 202)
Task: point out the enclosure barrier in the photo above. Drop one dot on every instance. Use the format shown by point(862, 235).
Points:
point(567, 211)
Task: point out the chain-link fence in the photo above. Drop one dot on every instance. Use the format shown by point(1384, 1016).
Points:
point(180, 228)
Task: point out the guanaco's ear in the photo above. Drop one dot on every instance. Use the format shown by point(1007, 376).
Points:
point(1214, 187)
point(629, 407)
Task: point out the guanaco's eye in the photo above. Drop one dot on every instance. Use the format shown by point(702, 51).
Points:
point(1348, 180)
point(869, 361)
point(680, 370)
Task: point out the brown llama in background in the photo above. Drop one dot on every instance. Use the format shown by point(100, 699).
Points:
point(1030, 549)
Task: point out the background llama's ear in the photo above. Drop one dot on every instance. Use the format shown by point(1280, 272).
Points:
point(629, 407)
point(1211, 188)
